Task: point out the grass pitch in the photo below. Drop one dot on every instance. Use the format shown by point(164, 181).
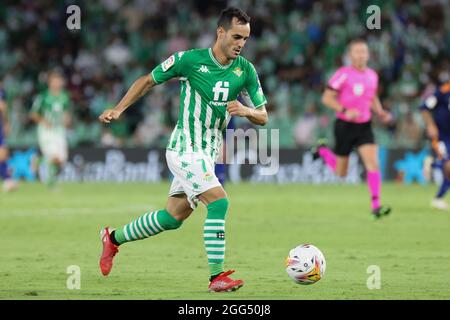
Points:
point(44, 232)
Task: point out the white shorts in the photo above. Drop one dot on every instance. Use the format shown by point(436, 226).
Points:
point(53, 145)
point(193, 174)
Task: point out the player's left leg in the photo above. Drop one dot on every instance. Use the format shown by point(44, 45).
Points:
point(369, 156)
point(216, 202)
point(58, 155)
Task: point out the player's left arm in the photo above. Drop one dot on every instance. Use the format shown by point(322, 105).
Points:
point(253, 96)
point(257, 116)
point(377, 107)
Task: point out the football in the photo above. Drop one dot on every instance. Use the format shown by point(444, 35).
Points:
point(305, 264)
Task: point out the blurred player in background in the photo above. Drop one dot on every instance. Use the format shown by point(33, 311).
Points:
point(50, 111)
point(211, 80)
point(436, 115)
point(221, 168)
point(8, 183)
point(352, 93)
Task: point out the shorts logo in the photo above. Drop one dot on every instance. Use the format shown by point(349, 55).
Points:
point(220, 235)
point(166, 65)
point(208, 177)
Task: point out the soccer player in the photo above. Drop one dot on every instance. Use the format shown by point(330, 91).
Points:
point(436, 115)
point(8, 183)
point(50, 111)
point(352, 93)
point(211, 80)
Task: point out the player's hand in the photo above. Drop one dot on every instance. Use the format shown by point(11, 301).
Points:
point(432, 132)
point(385, 116)
point(351, 113)
point(235, 108)
point(108, 115)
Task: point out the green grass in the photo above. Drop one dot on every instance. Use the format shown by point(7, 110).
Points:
point(44, 232)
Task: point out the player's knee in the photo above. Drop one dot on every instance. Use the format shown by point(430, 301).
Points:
point(225, 203)
point(218, 208)
point(179, 215)
point(172, 221)
point(373, 167)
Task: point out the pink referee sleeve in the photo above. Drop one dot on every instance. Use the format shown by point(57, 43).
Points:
point(338, 79)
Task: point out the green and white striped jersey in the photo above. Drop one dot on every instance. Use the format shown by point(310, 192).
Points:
point(206, 88)
point(52, 109)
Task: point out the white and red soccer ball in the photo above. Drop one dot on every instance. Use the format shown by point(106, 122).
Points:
point(305, 264)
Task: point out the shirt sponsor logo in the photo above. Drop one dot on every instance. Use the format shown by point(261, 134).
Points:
point(217, 103)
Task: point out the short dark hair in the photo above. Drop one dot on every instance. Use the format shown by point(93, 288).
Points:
point(356, 41)
point(227, 15)
point(56, 72)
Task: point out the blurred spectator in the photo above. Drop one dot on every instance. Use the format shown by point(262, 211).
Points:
point(295, 46)
point(305, 130)
point(409, 131)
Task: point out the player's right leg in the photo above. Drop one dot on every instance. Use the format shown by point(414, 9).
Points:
point(148, 225)
point(337, 163)
point(337, 159)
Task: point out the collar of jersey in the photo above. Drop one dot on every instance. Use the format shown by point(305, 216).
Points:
point(217, 62)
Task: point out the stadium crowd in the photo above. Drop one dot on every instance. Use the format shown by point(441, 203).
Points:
point(295, 46)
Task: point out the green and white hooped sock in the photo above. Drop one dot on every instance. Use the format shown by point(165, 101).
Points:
point(214, 235)
point(147, 225)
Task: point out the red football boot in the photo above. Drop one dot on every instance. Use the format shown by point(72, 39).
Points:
point(109, 251)
point(222, 283)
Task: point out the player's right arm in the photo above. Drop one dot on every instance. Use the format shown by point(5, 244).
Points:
point(330, 95)
point(170, 68)
point(329, 99)
point(138, 89)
